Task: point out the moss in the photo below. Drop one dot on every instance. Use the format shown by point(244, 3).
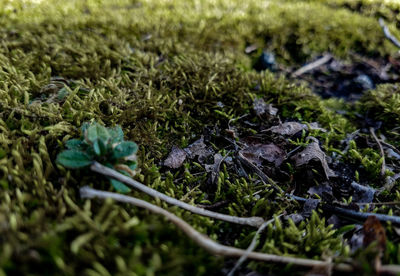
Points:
point(160, 70)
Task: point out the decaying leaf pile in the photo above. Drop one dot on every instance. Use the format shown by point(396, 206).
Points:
point(284, 110)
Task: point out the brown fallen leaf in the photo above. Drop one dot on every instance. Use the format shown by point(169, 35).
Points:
point(175, 158)
point(264, 152)
point(374, 232)
point(291, 128)
point(310, 153)
point(198, 148)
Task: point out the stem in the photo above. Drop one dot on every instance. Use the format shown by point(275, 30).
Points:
point(347, 213)
point(203, 240)
point(251, 221)
point(387, 33)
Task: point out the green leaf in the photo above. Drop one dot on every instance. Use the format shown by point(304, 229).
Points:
point(96, 147)
point(84, 127)
point(125, 148)
point(119, 186)
point(97, 131)
point(116, 133)
point(132, 165)
point(99, 148)
point(75, 144)
point(73, 159)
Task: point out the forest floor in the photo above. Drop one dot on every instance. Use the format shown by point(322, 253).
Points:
point(276, 113)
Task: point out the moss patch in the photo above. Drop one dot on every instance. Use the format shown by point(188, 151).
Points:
point(164, 72)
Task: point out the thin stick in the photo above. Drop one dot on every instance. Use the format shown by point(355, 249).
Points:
point(251, 247)
point(390, 146)
point(203, 240)
point(383, 168)
point(315, 64)
point(388, 34)
point(251, 221)
point(347, 213)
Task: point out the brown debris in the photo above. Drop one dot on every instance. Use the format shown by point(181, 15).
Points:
point(264, 152)
point(175, 158)
point(262, 108)
point(198, 148)
point(291, 128)
point(310, 153)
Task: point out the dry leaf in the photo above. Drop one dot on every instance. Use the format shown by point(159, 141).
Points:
point(175, 158)
point(198, 148)
point(374, 231)
point(264, 152)
point(291, 128)
point(313, 152)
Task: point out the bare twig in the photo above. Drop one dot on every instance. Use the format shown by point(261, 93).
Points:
point(315, 64)
point(390, 146)
point(352, 214)
point(213, 206)
point(251, 221)
point(387, 33)
point(251, 247)
point(203, 240)
point(383, 168)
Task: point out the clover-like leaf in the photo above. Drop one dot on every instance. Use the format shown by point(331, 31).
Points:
point(97, 132)
point(125, 148)
point(75, 144)
point(73, 159)
point(99, 147)
point(119, 186)
point(116, 133)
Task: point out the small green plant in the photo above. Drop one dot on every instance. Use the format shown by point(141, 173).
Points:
point(104, 145)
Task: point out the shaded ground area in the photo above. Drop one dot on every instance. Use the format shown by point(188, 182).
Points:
point(329, 77)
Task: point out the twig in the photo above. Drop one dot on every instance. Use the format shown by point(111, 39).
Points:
point(390, 146)
point(251, 247)
point(203, 240)
point(347, 213)
point(315, 64)
point(383, 168)
point(388, 34)
point(251, 221)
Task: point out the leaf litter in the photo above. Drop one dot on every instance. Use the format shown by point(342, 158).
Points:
point(265, 154)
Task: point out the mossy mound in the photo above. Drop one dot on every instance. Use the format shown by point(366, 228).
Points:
point(164, 71)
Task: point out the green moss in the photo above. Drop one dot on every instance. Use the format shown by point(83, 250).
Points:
point(160, 70)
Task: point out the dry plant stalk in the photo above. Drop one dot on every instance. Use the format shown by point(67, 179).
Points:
point(251, 221)
point(203, 240)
